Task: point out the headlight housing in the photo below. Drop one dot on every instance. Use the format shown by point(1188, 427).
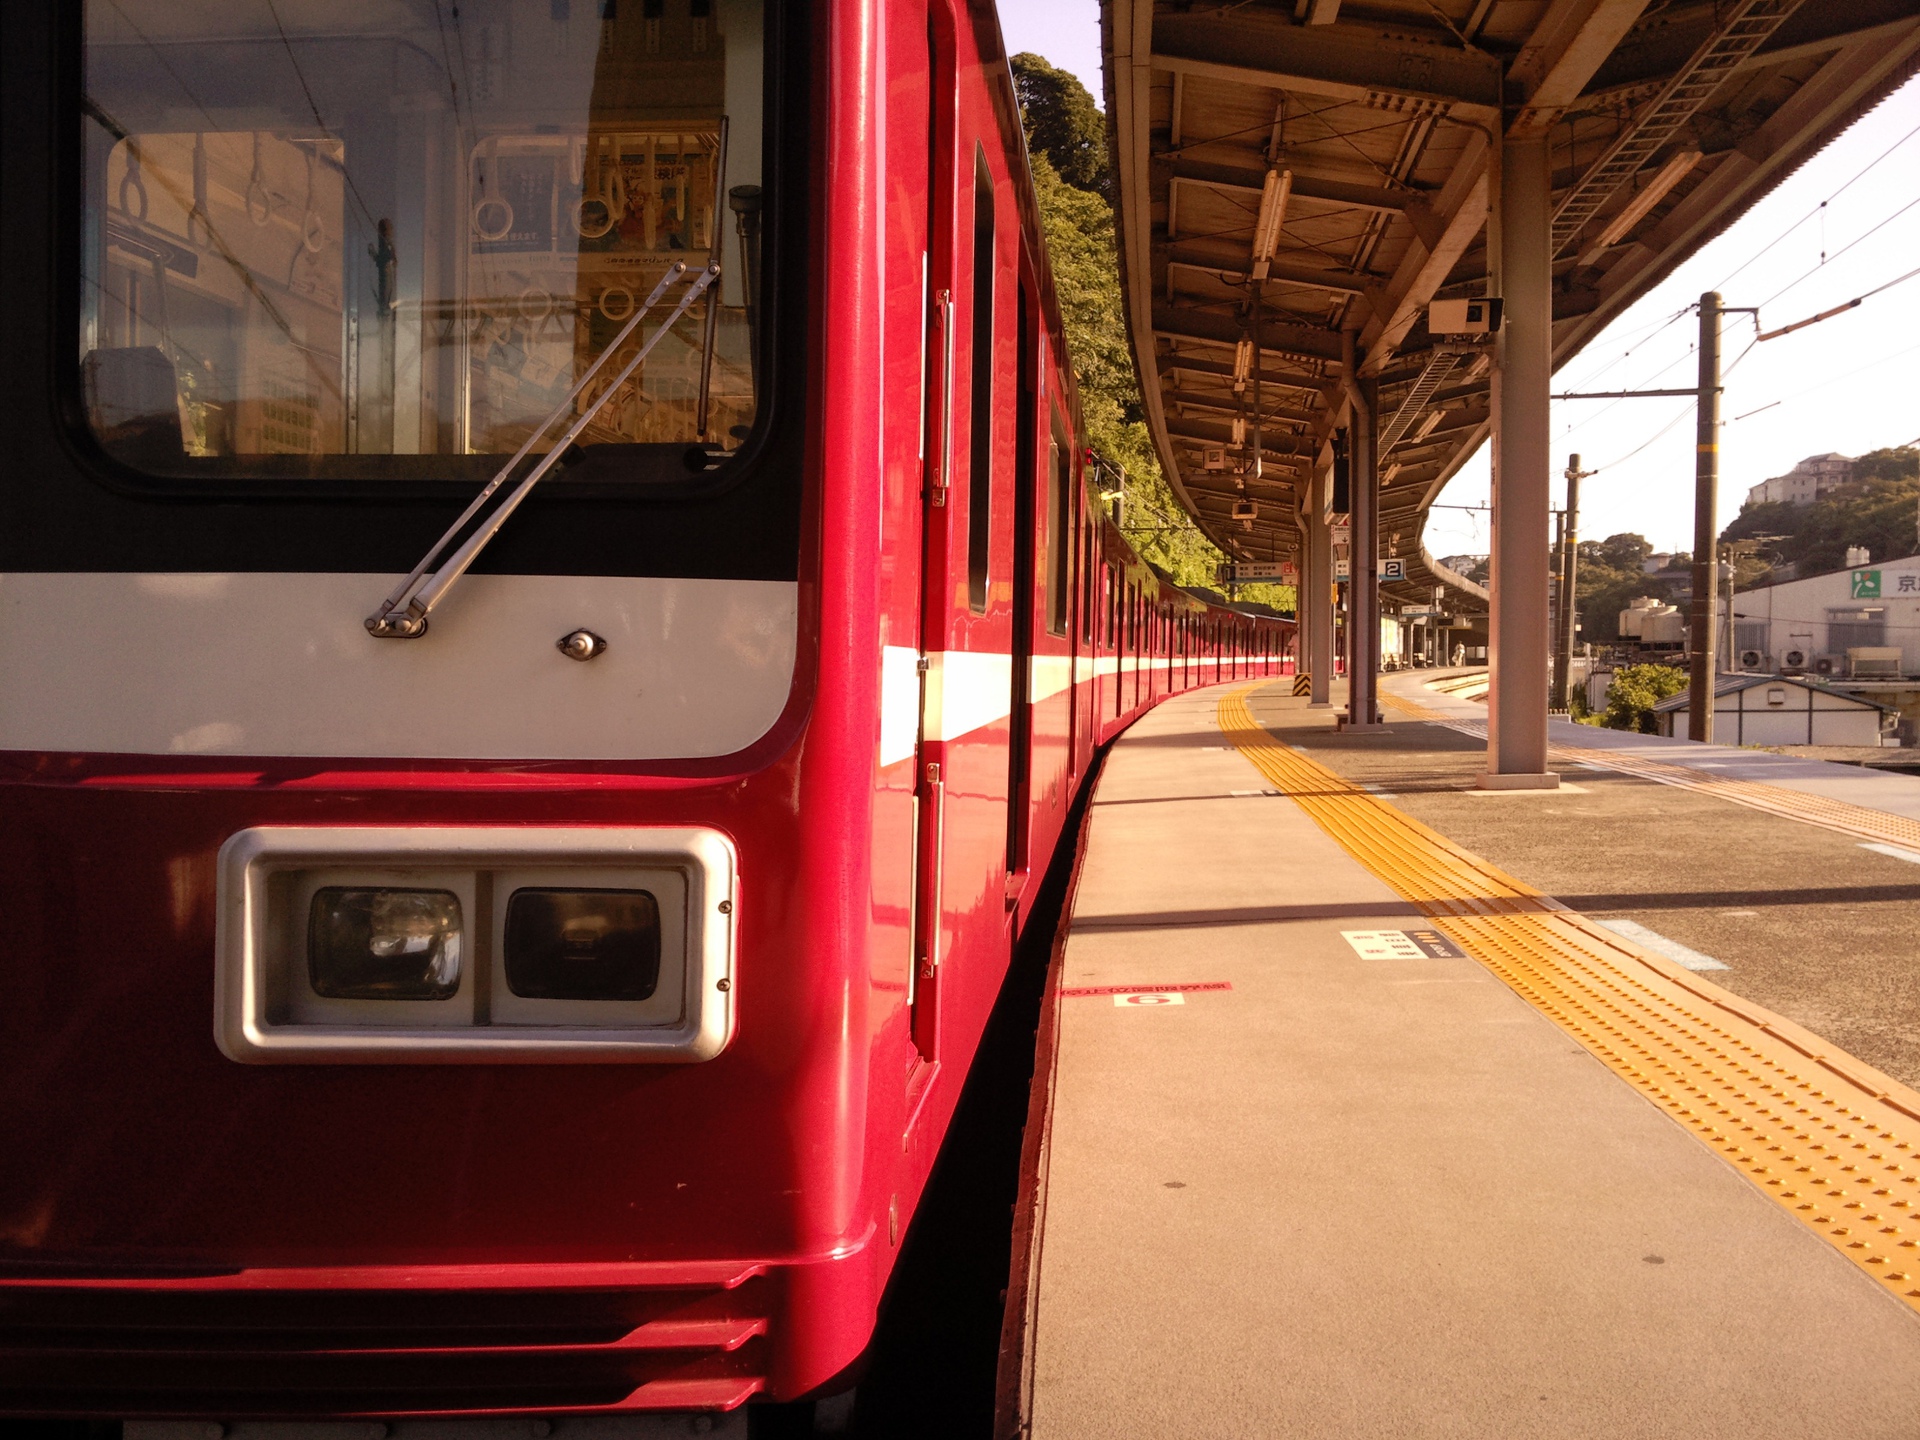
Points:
point(475, 943)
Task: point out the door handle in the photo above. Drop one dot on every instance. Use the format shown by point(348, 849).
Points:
point(933, 808)
point(943, 445)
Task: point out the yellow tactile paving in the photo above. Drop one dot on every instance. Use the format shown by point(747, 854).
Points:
point(1833, 1141)
point(1412, 709)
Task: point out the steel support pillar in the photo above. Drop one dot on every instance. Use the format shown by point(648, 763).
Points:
point(1315, 597)
point(1518, 642)
point(1363, 590)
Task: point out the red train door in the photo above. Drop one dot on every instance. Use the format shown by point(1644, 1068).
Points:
point(939, 358)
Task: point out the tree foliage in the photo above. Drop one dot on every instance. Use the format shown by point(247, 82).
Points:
point(1609, 577)
point(1879, 508)
point(1063, 123)
point(1080, 248)
point(1635, 690)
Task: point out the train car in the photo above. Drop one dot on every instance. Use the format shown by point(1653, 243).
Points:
point(551, 617)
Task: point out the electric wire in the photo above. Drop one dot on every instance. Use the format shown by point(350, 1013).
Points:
point(1841, 251)
point(1659, 327)
point(1638, 338)
point(314, 106)
point(1832, 380)
point(1820, 207)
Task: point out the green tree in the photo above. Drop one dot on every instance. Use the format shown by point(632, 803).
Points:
point(1879, 508)
point(1622, 552)
point(1610, 577)
point(1635, 690)
point(1063, 123)
point(1080, 249)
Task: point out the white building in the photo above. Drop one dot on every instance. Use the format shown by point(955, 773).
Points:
point(1776, 710)
point(1820, 625)
point(1806, 482)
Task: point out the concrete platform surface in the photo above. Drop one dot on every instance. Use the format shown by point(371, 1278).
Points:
point(1815, 923)
point(1356, 1197)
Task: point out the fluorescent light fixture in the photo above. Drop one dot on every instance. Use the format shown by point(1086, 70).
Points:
point(1668, 176)
point(1273, 214)
point(1242, 364)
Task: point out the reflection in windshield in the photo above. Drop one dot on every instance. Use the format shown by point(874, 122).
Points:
point(329, 238)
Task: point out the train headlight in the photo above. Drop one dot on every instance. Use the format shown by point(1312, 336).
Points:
point(583, 944)
point(383, 944)
point(481, 944)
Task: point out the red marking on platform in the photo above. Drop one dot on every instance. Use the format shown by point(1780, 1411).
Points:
point(1145, 989)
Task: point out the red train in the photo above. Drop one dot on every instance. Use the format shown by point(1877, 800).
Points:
point(545, 993)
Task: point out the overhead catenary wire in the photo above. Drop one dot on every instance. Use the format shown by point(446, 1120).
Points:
point(1857, 175)
point(1841, 251)
point(1834, 380)
point(1659, 327)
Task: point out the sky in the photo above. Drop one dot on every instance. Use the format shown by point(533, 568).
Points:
point(1823, 236)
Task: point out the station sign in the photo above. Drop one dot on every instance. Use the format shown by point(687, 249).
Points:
point(1392, 570)
point(1343, 569)
point(1248, 572)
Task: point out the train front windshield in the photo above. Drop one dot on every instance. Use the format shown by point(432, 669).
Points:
point(385, 239)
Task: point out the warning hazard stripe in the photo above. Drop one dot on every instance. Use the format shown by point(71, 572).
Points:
point(1144, 989)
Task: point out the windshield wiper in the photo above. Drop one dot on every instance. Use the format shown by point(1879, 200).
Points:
point(403, 614)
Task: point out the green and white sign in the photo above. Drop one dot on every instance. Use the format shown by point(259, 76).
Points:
point(1866, 584)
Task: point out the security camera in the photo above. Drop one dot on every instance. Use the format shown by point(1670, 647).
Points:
point(1464, 317)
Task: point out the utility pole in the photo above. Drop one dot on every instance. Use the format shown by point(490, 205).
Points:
point(1702, 641)
point(1702, 633)
point(1569, 588)
point(1556, 611)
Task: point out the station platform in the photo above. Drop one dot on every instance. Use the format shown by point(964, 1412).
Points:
point(1365, 1116)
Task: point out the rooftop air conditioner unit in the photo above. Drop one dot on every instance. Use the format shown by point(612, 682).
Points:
point(1825, 664)
point(1752, 660)
point(1873, 662)
point(1794, 660)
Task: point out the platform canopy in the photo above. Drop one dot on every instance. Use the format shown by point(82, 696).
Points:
point(1330, 159)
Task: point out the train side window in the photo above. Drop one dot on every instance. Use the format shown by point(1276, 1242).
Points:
point(1089, 578)
point(305, 255)
point(980, 397)
point(1059, 536)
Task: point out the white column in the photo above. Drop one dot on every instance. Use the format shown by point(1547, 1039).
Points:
point(1316, 591)
point(1363, 591)
point(1519, 642)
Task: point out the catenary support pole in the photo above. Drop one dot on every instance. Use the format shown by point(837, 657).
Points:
point(1557, 584)
point(1702, 629)
point(1518, 641)
point(1569, 588)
